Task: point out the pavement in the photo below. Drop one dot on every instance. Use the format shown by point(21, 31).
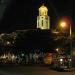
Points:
point(31, 70)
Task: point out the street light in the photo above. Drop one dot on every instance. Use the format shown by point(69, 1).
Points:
point(63, 25)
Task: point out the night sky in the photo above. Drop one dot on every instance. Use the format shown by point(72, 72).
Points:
point(22, 14)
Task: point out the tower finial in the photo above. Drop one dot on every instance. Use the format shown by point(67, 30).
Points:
point(43, 4)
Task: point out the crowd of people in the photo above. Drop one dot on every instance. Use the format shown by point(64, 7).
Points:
point(31, 58)
point(26, 58)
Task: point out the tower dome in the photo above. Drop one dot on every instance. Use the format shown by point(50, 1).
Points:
point(43, 10)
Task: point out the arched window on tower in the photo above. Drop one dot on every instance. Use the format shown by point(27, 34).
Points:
point(42, 23)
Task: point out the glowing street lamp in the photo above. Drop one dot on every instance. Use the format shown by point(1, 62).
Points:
point(63, 24)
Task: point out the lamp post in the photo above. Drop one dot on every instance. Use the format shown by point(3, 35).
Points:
point(71, 45)
point(63, 25)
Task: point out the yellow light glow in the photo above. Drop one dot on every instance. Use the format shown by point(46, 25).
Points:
point(63, 24)
point(43, 10)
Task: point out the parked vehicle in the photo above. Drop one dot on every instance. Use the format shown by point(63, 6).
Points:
point(63, 63)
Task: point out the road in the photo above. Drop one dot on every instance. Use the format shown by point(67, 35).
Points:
point(30, 70)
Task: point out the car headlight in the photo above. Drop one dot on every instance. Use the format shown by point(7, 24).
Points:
point(61, 59)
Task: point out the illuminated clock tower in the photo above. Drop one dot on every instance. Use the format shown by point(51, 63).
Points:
point(43, 18)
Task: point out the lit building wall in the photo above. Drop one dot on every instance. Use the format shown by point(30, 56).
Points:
point(43, 20)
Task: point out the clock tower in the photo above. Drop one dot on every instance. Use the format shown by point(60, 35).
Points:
point(43, 20)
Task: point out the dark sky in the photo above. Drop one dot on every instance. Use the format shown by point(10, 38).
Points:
point(23, 13)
